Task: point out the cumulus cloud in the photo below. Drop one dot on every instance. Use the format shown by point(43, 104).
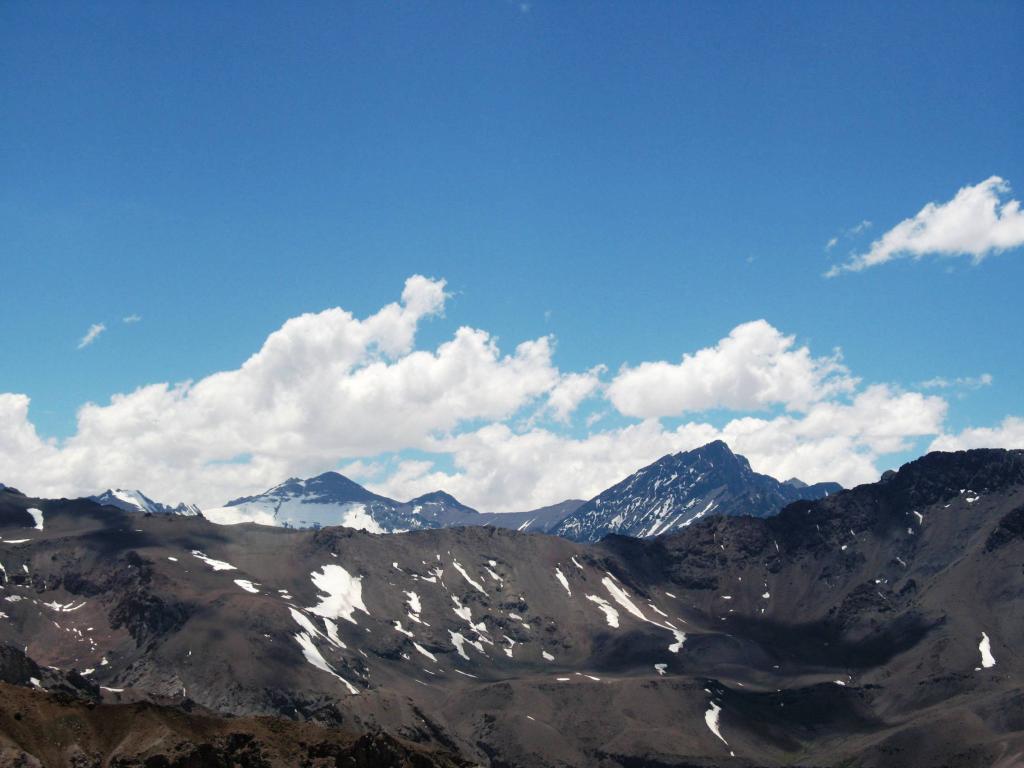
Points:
point(329, 390)
point(92, 334)
point(324, 387)
point(754, 367)
point(571, 390)
point(1009, 434)
point(523, 470)
point(977, 222)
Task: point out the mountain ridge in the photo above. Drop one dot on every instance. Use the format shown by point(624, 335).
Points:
point(331, 499)
point(136, 500)
point(874, 627)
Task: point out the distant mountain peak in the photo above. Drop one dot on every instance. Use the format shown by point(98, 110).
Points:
point(440, 497)
point(679, 489)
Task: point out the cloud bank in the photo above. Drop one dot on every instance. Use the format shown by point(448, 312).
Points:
point(502, 430)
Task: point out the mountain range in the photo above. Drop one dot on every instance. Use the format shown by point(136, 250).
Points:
point(137, 501)
point(877, 626)
point(333, 499)
point(667, 495)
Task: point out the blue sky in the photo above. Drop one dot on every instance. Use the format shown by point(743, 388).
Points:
point(634, 179)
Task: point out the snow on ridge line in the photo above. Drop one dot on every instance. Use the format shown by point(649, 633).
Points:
point(247, 585)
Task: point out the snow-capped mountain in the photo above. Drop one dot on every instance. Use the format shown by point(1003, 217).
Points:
point(881, 626)
point(137, 501)
point(665, 496)
point(333, 499)
point(680, 488)
point(327, 499)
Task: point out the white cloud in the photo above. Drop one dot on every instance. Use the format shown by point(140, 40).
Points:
point(92, 334)
point(847, 233)
point(331, 390)
point(499, 469)
point(131, 319)
point(323, 388)
point(571, 390)
point(975, 223)
point(960, 382)
point(1009, 434)
point(754, 367)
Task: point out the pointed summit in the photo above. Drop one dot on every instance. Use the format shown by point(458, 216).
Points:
point(679, 489)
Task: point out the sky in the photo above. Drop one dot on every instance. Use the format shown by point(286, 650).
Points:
point(514, 250)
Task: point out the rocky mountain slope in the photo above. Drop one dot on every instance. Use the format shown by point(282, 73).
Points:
point(681, 488)
point(880, 626)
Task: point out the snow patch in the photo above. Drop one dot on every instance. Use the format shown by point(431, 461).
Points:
point(610, 614)
point(562, 580)
point(985, 647)
point(711, 718)
point(314, 657)
point(458, 567)
point(37, 516)
point(460, 642)
point(423, 651)
point(217, 565)
point(247, 585)
point(343, 593)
